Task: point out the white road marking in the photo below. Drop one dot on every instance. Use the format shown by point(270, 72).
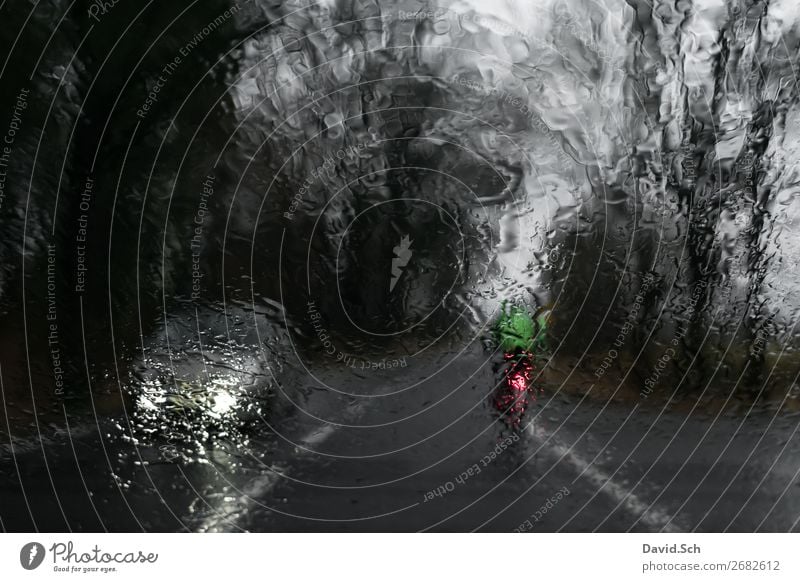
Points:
point(654, 518)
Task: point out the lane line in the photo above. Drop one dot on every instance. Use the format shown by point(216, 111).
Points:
point(654, 518)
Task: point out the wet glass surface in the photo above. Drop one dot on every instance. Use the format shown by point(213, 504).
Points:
point(366, 266)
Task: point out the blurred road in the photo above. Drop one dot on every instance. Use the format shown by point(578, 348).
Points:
point(426, 458)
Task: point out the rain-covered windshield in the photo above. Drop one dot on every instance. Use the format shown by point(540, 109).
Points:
point(400, 266)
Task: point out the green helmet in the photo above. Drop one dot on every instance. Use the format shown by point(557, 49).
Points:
point(517, 330)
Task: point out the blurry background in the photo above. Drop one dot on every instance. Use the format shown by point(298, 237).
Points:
point(251, 256)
